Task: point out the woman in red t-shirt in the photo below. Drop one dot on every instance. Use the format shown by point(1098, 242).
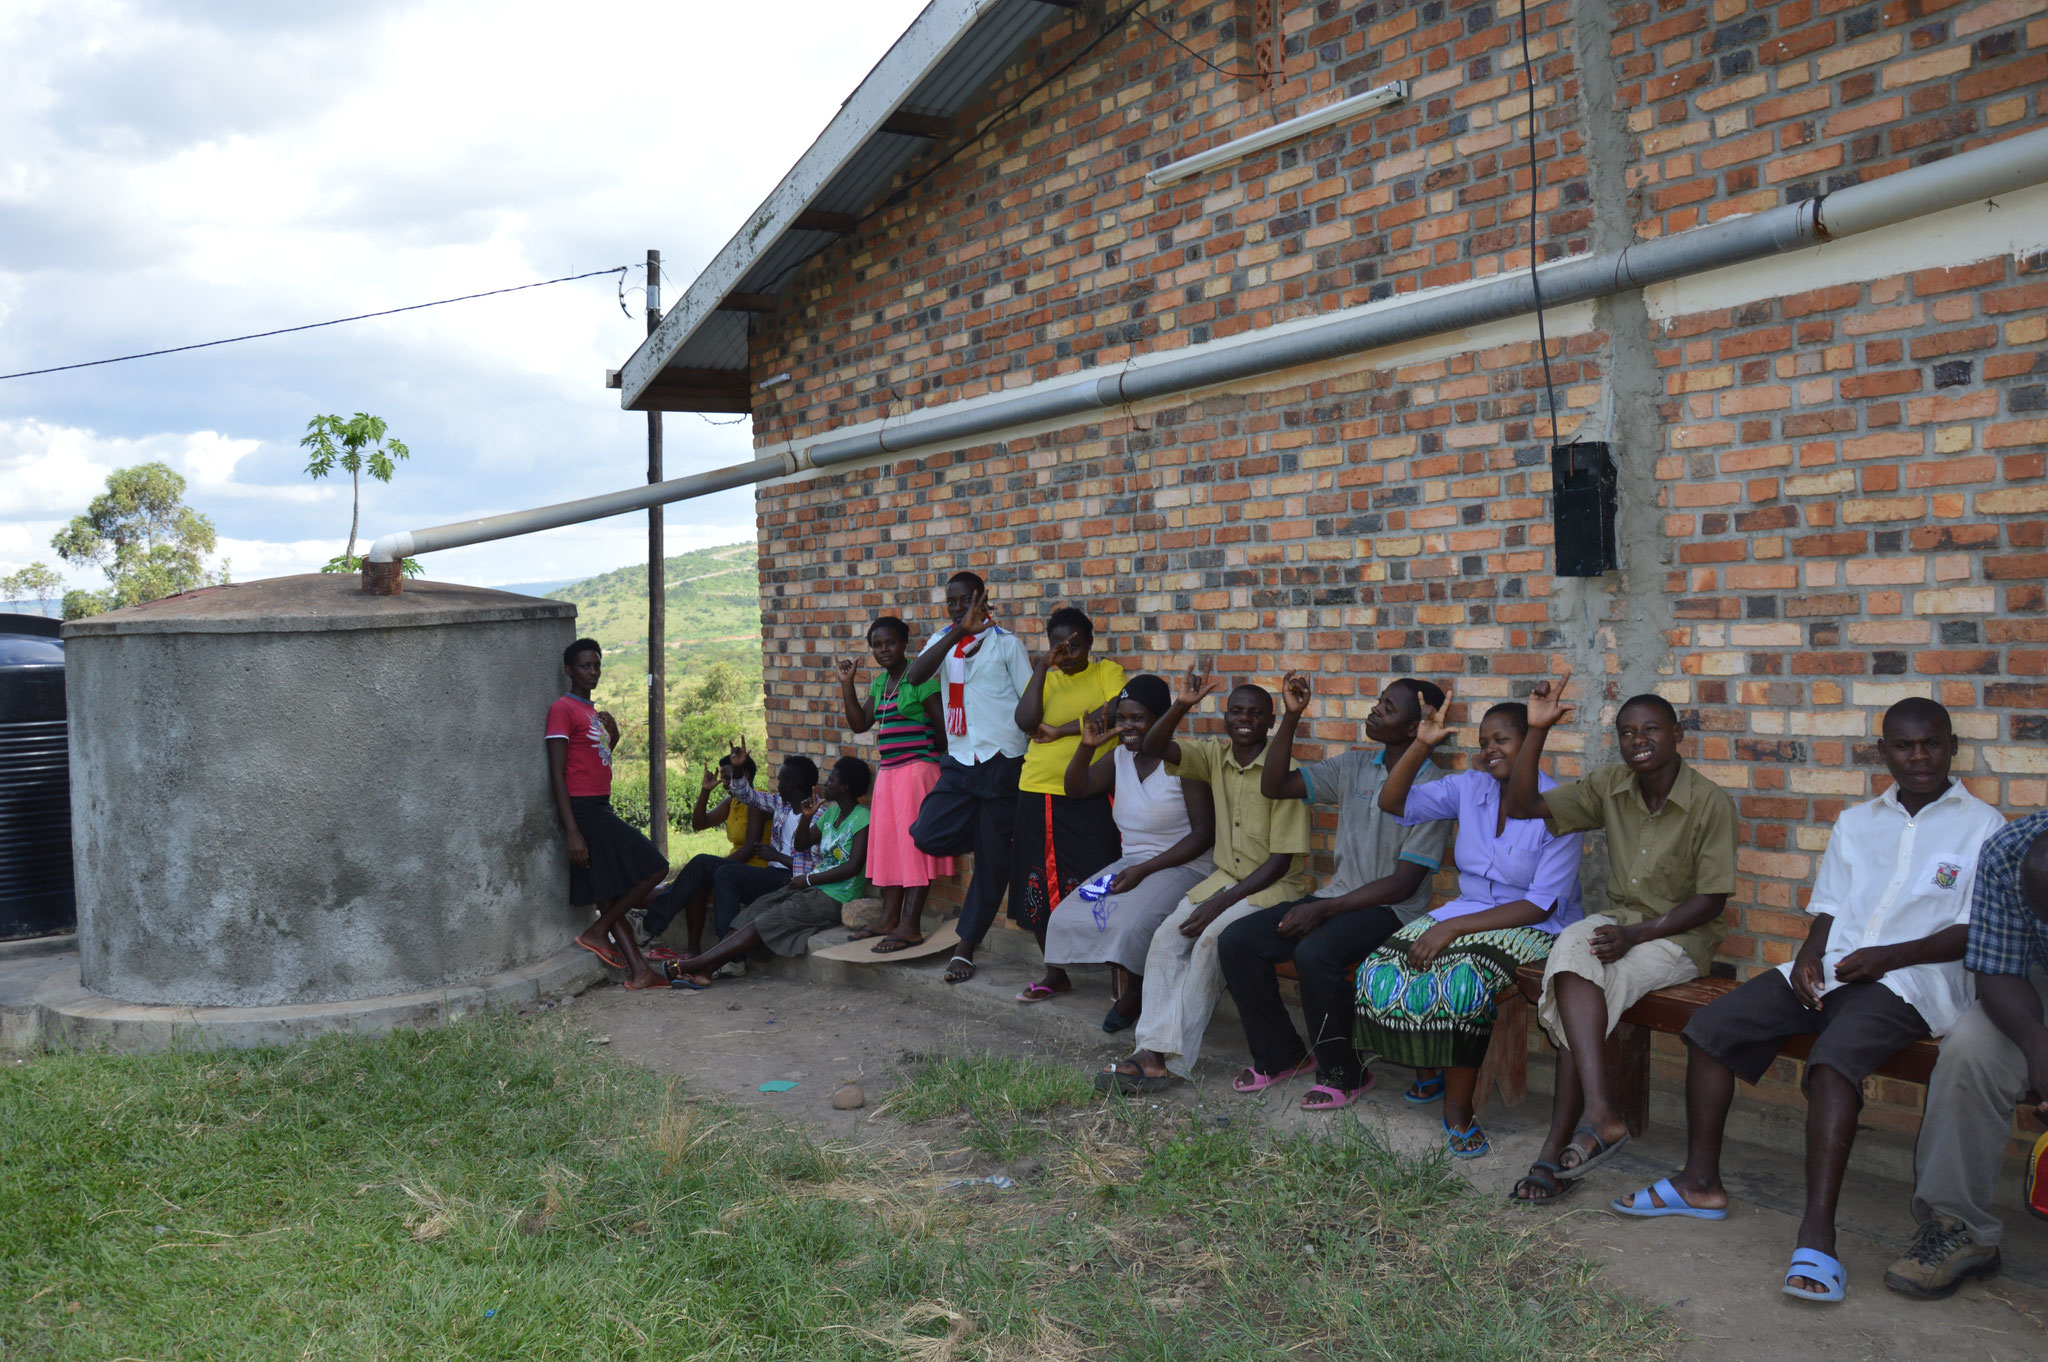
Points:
point(611, 865)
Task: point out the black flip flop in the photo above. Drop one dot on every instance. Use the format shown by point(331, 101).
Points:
point(1551, 1179)
point(1602, 1152)
point(889, 945)
point(1117, 1021)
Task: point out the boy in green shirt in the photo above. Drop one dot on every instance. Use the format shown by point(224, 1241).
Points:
point(1671, 866)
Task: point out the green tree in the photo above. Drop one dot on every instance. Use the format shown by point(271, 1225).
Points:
point(712, 714)
point(36, 582)
point(143, 536)
point(360, 445)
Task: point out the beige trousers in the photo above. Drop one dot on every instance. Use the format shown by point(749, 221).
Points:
point(1183, 981)
point(1645, 969)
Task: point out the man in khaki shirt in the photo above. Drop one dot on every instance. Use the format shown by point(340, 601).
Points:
point(1261, 855)
point(1670, 868)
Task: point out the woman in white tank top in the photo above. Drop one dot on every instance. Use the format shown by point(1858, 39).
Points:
point(1167, 827)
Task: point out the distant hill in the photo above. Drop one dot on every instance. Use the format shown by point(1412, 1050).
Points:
point(714, 595)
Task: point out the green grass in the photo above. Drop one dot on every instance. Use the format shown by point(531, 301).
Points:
point(1005, 1101)
point(503, 1189)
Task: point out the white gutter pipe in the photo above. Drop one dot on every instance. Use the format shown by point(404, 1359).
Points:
point(394, 547)
point(2002, 167)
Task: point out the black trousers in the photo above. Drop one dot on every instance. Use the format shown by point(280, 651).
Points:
point(973, 809)
point(735, 884)
point(669, 901)
point(1326, 962)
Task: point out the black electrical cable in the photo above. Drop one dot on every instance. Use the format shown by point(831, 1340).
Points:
point(1226, 70)
point(1110, 26)
point(1535, 285)
point(313, 326)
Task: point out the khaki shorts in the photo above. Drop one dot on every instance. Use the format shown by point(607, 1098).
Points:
point(1644, 970)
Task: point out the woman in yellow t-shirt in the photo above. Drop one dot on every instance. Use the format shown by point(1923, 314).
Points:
point(1060, 840)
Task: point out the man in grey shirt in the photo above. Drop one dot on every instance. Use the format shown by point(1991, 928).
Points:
point(1381, 884)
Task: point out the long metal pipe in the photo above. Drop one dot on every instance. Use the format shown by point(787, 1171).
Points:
point(2016, 163)
point(455, 534)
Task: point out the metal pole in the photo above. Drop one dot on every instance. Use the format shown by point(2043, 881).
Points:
point(657, 609)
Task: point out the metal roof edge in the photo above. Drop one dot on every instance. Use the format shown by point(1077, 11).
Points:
point(913, 56)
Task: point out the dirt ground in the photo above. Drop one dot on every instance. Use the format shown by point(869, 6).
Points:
point(1720, 1281)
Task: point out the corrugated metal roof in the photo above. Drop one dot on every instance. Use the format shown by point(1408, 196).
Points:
point(939, 67)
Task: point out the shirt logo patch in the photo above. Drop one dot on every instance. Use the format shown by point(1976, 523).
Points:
point(1945, 873)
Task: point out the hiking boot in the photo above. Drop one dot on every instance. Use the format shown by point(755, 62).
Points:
point(1943, 1256)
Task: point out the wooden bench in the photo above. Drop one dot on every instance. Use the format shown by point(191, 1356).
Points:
point(1668, 1010)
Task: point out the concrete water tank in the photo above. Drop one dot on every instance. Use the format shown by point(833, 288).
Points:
point(289, 792)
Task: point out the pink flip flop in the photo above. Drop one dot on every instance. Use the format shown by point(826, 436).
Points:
point(1260, 1082)
point(1339, 1099)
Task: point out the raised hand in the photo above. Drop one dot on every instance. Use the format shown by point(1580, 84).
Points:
point(813, 803)
point(1434, 725)
point(977, 617)
point(1095, 730)
point(1294, 693)
point(1196, 686)
point(845, 667)
point(738, 755)
point(709, 781)
point(1060, 653)
point(1547, 705)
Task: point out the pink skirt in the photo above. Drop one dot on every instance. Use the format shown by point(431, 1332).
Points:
point(893, 859)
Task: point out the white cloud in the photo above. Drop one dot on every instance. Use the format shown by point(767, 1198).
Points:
point(170, 173)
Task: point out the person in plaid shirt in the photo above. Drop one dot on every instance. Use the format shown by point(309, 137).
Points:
point(1997, 1054)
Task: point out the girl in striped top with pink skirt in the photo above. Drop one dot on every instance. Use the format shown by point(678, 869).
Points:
point(912, 734)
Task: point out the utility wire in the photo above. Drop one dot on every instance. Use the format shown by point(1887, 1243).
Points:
point(1535, 284)
point(314, 326)
point(1152, 23)
point(1112, 24)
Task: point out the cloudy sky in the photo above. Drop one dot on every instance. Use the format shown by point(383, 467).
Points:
point(177, 172)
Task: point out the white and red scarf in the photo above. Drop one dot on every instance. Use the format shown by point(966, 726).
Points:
point(956, 679)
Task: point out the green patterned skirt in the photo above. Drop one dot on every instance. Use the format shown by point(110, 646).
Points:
point(1440, 1017)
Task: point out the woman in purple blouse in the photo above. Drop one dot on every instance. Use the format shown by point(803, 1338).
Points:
point(1425, 998)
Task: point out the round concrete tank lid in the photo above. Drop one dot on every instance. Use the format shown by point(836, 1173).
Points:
point(316, 602)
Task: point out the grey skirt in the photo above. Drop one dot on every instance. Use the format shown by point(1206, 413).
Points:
point(787, 918)
point(1118, 929)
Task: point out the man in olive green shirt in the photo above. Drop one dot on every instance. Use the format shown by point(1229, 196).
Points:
point(1261, 855)
point(1670, 868)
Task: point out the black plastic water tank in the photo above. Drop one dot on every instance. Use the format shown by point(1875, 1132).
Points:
point(35, 782)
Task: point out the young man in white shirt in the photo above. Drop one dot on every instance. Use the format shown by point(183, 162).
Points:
point(973, 808)
point(1880, 968)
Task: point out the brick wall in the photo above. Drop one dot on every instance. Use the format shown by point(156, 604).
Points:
point(1848, 482)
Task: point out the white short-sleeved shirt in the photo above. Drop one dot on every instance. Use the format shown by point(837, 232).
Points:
point(997, 673)
point(1888, 877)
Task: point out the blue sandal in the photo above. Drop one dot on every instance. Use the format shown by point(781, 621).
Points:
point(1469, 1143)
point(1423, 1091)
point(1816, 1266)
point(1661, 1199)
